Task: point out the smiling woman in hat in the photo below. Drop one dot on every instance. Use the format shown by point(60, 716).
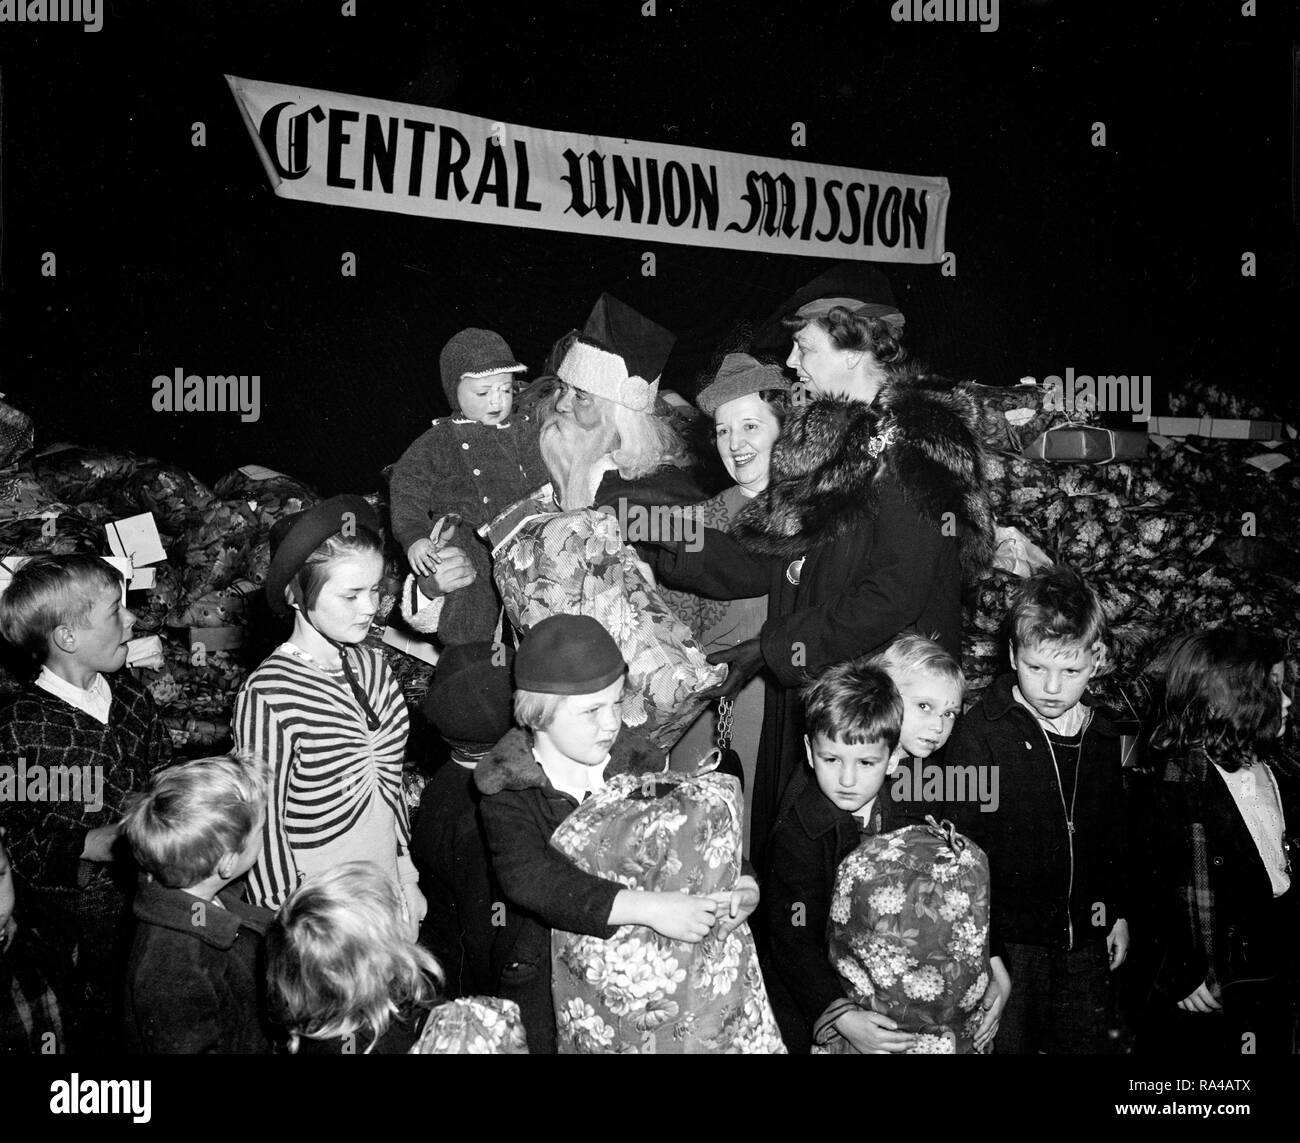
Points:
point(748, 402)
point(874, 515)
point(326, 712)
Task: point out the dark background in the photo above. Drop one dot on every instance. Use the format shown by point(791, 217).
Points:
point(1123, 259)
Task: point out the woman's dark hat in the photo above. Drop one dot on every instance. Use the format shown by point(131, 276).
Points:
point(469, 703)
point(844, 283)
point(568, 655)
point(295, 537)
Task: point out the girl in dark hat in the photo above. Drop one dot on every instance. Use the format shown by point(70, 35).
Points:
point(569, 676)
point(326, 713)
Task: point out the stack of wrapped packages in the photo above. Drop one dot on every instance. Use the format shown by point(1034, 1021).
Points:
point(1195, 529)
point(639, 991)
point(202, 625)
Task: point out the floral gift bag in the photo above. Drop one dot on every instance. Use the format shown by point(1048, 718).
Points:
point(473, 1026)
point(639, 991)
point(909, 934)
point(576, 563)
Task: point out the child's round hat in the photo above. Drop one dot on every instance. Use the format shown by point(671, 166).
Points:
point(296, 536)
point(567, 655)
point(474, 353)
point(469, 700)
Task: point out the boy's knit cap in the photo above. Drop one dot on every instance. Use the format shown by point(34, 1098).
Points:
point(474, 353)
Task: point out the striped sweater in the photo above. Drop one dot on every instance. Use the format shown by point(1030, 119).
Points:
point(335, 786)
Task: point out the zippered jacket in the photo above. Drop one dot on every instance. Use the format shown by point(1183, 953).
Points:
point(1051, 885)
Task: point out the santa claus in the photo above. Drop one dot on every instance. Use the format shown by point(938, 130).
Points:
point(602, 439)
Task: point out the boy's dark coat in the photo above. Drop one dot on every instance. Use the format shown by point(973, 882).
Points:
point(543, 889)
point(196, 979)
point(1026, 837)
point(807, 846)
point(449, 847)
point(887, 535)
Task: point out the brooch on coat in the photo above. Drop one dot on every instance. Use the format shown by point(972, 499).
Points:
point(877, 444)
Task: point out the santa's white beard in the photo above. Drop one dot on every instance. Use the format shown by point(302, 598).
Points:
point(575, 456)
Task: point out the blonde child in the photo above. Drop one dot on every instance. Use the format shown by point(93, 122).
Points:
point(346, 979)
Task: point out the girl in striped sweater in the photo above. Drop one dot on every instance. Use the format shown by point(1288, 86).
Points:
point(327, 714)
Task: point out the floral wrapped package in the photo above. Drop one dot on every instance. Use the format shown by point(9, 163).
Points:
point(473, 1026)
point(576, 563)
point(640, 991)
point(909, 934)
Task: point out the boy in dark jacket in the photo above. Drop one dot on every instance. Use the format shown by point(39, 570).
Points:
point(1055, 841)
point(80, 737)
point(469, 705)
point(854, 714)
point(195, 980)
point(569, 677)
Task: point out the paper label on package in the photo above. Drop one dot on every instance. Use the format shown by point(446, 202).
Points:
point(1268, 461)
point(146, 651)
point(261, 472)
point(136, 537)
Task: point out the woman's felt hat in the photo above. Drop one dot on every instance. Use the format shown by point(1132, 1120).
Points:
point(739, 376)
point(568, 655)
point(295, 537)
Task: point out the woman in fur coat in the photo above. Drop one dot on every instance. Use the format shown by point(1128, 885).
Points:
point(875, 514)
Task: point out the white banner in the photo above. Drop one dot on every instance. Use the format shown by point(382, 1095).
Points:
point(321, 146)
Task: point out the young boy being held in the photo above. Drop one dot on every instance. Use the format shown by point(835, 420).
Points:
point(853, 715)
point(195, 981)
point(569, 676)
point(85, 718)
point(473, 464)
point(1055, 841)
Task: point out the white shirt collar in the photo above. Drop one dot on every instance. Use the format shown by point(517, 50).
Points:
point(1067, 725)
point(94, 700)
point(595, 779)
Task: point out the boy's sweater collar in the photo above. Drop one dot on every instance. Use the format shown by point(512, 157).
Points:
point(999, 700)
point(511, 765)
point(155, 904)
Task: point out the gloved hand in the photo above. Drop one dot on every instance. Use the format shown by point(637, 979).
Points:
point(743, 661)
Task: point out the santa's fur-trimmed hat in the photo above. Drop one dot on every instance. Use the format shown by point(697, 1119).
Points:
point(620, 355)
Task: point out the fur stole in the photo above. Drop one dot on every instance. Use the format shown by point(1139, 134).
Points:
point(922, 431)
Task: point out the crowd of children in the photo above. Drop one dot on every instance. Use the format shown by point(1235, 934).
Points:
point(1188, 859)
point(278, 899)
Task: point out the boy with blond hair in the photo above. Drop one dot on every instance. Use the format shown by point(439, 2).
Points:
point(194, 982)
point(81, 736)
